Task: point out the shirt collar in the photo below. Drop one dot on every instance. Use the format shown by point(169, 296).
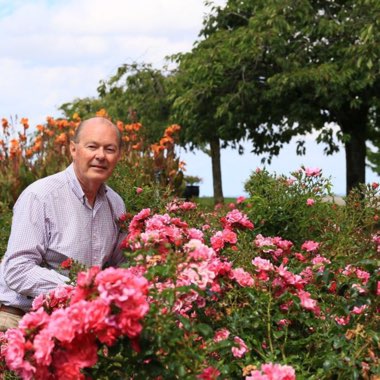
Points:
point(77, 188)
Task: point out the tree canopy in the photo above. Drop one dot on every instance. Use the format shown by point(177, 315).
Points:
point(274, 70)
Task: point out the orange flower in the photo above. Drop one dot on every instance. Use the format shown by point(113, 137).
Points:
point(50, 120)
point(22, 137)
point(76, 117)
point(4, 123)
point(166, 140)
point(15, 148)
point(40, 128)
point(102, 113)
point(135, 127)
point(120, 126)
point(37, 146)
point(171, 130)
point(156, 148)
point(61, 124)
point(25, 122)
point(61, 139)
point(29, 153)
point(136, 146)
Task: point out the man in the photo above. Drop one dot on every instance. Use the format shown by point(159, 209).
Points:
point(71, 214)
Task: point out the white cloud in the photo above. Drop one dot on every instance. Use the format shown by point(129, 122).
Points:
point(54, 51)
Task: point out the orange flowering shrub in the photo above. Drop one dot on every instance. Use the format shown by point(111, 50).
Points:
point(44, 151)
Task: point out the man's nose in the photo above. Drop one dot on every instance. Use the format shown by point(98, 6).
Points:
point(100, 154)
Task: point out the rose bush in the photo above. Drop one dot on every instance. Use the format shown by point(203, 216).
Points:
point(222, 294)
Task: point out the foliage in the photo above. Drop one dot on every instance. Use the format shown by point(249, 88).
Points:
point(282, 206)
point(136, 93)
point(231, 300)
point(274, 70)
point(285, 206)
point(5, 228)
point(192, 179)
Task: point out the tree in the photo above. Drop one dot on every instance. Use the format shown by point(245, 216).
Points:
point(202, 80)
point(139, 93)
point(85, 107)
point(135, 93)
point(300, 66)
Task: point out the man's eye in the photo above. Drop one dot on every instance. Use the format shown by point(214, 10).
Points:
point(92, 147)
point(111, 150)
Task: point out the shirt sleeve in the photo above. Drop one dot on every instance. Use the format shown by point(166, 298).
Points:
point(118, 208)
point(117, 258)
point(24, 261)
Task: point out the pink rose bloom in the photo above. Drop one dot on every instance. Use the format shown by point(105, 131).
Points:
point(262, 264)
point(359, 288)
point(320, 260)
point(236, 219)
point(378, 288)
point(231, 206)
point(240, 199)
point(34, 319)
point(221, 334)
point(139, 190)
point(312, 172)
point(188, 206)
point(299, 256)
point(242, 277)
point(261, 241)
point(229, 236)
point(14, 354)
point(272, 371)
point(310, 202)
point(210, 373)
point(61, 326)
point(343, 321)
point(307, 302)
point(217, 241)
point(363, 275)
point(359, 310)
point(194, 233)
point(310, 246)
point(43, 345)
point(241, 349)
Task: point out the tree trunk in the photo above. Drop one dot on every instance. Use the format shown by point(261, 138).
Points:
point(355, 161)
point(216, 170)
point(354, 124)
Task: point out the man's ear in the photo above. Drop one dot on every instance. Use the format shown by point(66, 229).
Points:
point(73, 149)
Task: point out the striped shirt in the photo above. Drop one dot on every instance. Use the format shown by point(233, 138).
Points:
point(52, 221)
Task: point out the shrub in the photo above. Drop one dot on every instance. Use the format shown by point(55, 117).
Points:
point(228, 300)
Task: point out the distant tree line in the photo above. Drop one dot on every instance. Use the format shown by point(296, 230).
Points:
point(266, 71)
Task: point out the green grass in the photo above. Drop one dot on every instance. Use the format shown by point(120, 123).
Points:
point(208, 202)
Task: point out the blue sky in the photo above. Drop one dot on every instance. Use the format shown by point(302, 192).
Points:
point(55, 51)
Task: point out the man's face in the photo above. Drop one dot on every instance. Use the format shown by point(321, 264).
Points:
point(96, 153)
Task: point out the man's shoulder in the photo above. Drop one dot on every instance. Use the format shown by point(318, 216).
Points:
point(45, 186)
point(116, 200)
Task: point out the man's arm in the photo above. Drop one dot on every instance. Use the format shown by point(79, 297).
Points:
point(29, 238)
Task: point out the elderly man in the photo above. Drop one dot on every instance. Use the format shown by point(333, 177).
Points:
point(71, 214)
